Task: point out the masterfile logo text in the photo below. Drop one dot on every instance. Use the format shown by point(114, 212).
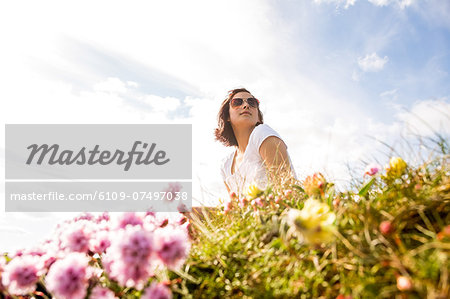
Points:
point(98, 167)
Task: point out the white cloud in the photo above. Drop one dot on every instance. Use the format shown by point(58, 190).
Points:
point(356, 75)
point(13, 230)
point(380, 2)
point(435, 12)
point(160, 104)
point(405, 3)
point(213, 51)
point(391, 95)
point(243, 43)
point(132, 84)
point(372, 62)
point(428, 117)
point(391, 92)
point(111, 85)
point(347, 3)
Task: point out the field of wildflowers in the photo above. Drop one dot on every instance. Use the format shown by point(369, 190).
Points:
point(387, 238)
point(124, 255)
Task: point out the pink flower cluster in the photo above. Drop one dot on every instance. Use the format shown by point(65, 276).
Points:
point(314, 184)
point(99, 292)
point(129, 246)
point(68, 277)
point(21, 274)
point(129, 259)
point(157, 291)
point(372, 169)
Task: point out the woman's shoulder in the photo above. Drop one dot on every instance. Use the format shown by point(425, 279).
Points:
point(263, 131)
point(259, 134)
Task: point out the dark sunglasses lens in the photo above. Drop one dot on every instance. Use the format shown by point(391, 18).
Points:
point(236, 102)
point(252, 102)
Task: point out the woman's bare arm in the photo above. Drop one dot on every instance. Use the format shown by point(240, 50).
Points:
point(274, 154)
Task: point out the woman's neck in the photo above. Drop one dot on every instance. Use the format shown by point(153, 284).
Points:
point(242, 137)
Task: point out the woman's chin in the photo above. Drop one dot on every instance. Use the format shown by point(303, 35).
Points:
point(245, 122)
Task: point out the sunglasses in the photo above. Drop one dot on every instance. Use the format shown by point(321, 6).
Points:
point(252, 102)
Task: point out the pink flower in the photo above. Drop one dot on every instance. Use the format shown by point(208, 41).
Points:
point(128, 259)
point(404, 283)
point(259, 202)
point(84, 216)
point(288, 193)
point(150, 213)
point(48, 259)
point(157, 291)
point(172, 246)
point(386, 227)
point(182, 208)
point(372, 169)
point(103, 217)
point(99, 292)
point(336, 202)
point(2, 263)
point(278, 199)
point(227, 206)
point(134, 246)
point(129, 218)
point(100, 242)
point(68, 278)
point(315, 184)
point(2, 268)
point(45, 253)
point(446, 231)
point(243, 202)
point(131, 275)
point(253, 204)
point(175, 218)
point(172, 191)
point(18, 253)
point(21, 275)
point(76, 237)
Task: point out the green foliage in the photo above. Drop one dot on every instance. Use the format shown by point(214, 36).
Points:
point(251, 252)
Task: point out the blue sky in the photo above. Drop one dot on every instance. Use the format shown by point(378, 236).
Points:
point(333, 76)
point(417, 48)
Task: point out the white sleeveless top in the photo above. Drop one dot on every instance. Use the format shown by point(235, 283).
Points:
point(252, 168)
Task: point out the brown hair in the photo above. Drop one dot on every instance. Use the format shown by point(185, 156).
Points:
point(224, 132)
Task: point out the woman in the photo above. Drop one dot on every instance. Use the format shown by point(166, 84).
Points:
point(260, 152)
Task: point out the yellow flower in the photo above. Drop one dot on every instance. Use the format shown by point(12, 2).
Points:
point(253, 191)
point(396, 167)
point(314, 222)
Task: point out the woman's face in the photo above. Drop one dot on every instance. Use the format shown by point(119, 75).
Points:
point(245, 114)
